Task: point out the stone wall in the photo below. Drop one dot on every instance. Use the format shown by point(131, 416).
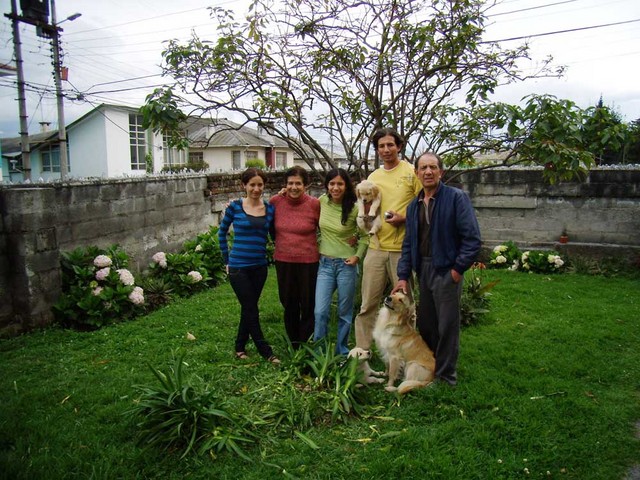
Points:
point(145, 215)
point(39, 222)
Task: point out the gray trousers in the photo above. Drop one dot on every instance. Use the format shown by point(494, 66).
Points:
point(438, 318)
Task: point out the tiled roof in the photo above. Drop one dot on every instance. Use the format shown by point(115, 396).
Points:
point(225, 133)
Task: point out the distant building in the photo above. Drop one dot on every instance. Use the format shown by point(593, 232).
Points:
point(110, 141)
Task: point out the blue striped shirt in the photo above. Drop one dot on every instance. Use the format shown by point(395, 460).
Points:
point(249, 247)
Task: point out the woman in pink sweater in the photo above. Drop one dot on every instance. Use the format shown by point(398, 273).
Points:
point(296, 254)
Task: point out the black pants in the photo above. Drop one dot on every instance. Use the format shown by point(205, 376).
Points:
point(297, 291)
point(438, 318)
point(247, 283)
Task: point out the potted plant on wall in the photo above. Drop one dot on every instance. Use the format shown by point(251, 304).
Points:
point(564, 238)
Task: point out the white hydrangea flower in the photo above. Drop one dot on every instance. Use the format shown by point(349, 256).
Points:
point(198, 248)
point(160, 258)
point(102, 261)
point(137, 296)
point(195, 276)
point(102, 273)
point(125, 276)
point(501, 259)
point(525, 256)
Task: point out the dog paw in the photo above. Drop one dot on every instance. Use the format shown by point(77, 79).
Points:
point(390, 388)
point(375, 380)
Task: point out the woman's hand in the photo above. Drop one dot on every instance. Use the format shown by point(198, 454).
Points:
point(352, 260)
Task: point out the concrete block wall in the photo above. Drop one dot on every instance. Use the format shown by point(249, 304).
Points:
point(145, 215)
point(518, 205)
point(39, 222)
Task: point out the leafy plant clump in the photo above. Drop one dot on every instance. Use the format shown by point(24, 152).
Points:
point(475, 295)
point(314, 387)
point(97, 288)
point(176, 415)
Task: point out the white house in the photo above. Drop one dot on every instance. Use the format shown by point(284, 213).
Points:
point(109, 141)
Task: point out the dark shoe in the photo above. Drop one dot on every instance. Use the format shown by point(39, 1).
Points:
point(242, 356)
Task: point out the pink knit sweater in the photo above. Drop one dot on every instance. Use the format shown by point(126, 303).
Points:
point(296, 224)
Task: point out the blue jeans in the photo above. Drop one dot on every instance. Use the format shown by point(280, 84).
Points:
point(334, 274)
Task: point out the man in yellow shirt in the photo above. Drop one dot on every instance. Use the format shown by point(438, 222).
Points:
point(399, 185)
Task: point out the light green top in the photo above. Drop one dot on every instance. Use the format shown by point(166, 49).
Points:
point(334, 237)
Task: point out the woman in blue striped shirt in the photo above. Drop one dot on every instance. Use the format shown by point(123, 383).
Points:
point(252, 218)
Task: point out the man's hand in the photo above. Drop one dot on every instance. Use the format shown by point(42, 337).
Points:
point(401, 286)
point(395, 219)
point(456, 276)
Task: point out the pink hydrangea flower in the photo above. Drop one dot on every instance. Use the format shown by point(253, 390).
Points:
point(137, 296)
point(102, 261)
point(97, 291)
point(160, 258)
point(102, 273)
point(195, 276)
point(125, 276)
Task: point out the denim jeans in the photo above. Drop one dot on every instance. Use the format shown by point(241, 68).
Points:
point(247, 283)
point(334, 274)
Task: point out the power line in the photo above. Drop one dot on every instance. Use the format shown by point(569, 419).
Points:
point(530, 8)
point(561, 31)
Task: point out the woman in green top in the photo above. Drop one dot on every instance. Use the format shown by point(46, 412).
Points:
point(340, 252)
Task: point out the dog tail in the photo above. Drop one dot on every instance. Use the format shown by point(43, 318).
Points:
point(409, 385)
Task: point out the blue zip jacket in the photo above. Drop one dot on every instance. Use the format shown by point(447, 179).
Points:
point(455, 234)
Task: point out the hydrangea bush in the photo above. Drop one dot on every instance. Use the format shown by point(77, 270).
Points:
point(97, 288)
point(508, 255)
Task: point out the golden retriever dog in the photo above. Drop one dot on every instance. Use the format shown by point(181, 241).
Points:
point(368, 375)
point(401, 346)
point(368, 201)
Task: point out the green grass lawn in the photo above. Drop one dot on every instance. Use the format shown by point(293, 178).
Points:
point(548, 388)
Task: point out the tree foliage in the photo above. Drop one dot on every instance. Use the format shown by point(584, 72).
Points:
point(309, 69)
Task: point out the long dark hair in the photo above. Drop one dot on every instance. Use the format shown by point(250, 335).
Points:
point(349, 198)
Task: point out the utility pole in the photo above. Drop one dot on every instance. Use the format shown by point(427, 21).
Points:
point(22, 102)
point(62, 129)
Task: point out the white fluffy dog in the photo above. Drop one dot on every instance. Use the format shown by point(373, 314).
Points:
point(401, 346)
point(368, 375)
point(368, 201)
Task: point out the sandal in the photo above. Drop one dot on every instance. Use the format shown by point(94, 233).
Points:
point(273, 359)
point(242, 355)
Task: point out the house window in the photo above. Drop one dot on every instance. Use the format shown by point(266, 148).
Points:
point(196, 157)
point(236, 159)
point(51, 159)
point(172, 156)
point(281, 160)
point(137, 142)
point(250, 155)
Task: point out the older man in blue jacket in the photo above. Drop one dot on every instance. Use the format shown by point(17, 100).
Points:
point(442, 241)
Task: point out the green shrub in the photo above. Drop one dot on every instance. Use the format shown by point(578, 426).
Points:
point(198, 266)
point(475, 295)
point(508, 255)
point(97, 288)
point(539, 261)
point(505, 256)
point(255, 163)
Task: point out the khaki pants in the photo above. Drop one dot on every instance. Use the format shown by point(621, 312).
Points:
point(379, 275)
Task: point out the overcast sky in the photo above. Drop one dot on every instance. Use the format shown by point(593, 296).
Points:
point(113, 52)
